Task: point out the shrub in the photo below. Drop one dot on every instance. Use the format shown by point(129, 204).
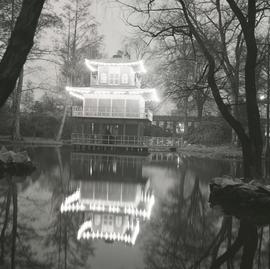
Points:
point(209, 133)
point(39, 126)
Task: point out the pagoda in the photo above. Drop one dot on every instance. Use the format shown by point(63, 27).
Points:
point(112, 206)
point(112, 110)
point(112, 210)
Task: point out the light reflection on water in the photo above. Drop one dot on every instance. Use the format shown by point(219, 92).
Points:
point(112, 194)
point(138, 212)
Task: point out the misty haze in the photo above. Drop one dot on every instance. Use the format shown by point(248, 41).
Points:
point(134, 134)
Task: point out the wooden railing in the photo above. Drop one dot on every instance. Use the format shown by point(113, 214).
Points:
point(119, 140)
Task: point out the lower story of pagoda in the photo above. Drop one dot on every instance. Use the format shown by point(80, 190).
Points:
point(117, 135)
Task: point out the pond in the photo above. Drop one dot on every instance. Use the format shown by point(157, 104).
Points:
point(90, 210)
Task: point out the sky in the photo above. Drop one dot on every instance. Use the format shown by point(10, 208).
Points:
point(112, 26)
point(110, 16)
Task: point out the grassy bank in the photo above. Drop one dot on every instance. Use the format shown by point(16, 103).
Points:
point(214, 152)
point(35, 141)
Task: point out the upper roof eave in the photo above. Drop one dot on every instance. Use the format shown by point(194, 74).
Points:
point(93, 64)
point(80, 92)
point(109, 90)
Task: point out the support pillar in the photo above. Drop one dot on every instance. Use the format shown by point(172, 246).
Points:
point(174, 128)
point(124, 129)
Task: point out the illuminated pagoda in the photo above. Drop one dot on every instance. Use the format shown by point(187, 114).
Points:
point(111, 197)
point(111, 227)
point(114, 105)
point(112, 209)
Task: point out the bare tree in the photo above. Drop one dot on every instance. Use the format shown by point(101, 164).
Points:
point(193, 20)
point(20, 44)
point(252, 141)
point(82, 41)
point(48, 19)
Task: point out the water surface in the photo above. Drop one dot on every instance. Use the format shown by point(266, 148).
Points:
point(82, 210)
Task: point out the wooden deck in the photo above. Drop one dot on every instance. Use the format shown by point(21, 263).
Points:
point(143, 142)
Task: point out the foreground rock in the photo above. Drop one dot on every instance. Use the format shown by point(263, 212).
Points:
point(245, 201)
point(15, 163)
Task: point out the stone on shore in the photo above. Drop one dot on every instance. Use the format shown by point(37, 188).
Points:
point(15, 163)
point(246, 201)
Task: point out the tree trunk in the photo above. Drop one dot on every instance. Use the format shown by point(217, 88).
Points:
point(254, 126)
point(199, 104)
point(247, 238)
point(185, 116)
point(250, 204)
point(235, 111)
point(14, 225)
point(71, 67)
point(249, 159)
point(63, 120)
point(16, 134)
point(253, 115)
point(5, 224)
point(20, 44)
point(65, 243)
point(251, 142)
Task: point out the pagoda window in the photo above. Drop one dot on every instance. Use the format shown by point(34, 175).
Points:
point(97, 220)
point(101, 191)
point(103, 78)
point(87, 190)
point(114, 79)
point(125, 79)
point(90, 107)
point(118, 107)
point(110, 220)
point(104, 107)
point(105, 219)
point(93, 78)
point(108, 223)
point(118, 221)
point(132, 108)
point(114, 75)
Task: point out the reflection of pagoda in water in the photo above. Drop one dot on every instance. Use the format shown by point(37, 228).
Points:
point(113, 195)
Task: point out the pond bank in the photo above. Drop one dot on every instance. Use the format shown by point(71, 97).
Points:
point(33, 141)
point(213, 152)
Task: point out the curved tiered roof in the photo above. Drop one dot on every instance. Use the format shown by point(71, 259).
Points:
point(137, 66)
point(139, 207)
point(129, 211)
point(82, 92)
point(127, 235)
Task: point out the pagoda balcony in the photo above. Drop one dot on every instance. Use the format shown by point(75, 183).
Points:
point(77, 111)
